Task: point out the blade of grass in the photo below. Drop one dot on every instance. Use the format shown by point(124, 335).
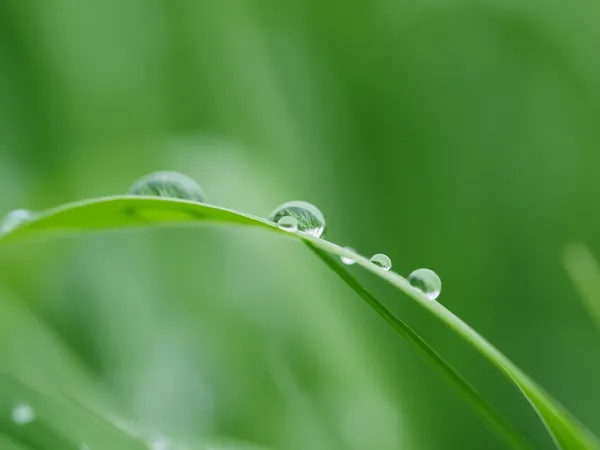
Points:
point(109, 213)
point(584, 271)
point(127, 211)
point(496, 422)
point(566, 431)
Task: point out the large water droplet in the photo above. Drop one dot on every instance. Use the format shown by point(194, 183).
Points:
point(382, 261)
point(15, 219)
point(22, 414)
point(168, 184)
point(288, 223)
point(345, 259)
point(426, 281)
point(310, 219)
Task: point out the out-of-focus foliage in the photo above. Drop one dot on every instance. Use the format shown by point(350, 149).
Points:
point(456, 135)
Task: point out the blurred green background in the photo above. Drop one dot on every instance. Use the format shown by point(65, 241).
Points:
point(456, 135)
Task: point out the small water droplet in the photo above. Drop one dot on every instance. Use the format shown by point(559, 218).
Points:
point(309, 218)
point(288, 223)
point(22, 414)
point(347, 260)
point(426, 281)
point(382, 261)
point(15, 219)
point(84, 446)
point(168, 184)
point(159, 442)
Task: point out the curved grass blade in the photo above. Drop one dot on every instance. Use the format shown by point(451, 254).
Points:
point(566, 431)
point(109, 213)
point(496, 422)
point(129, 211)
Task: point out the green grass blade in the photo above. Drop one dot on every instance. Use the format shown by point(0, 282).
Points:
point(496, 422)
point(584, 271)
point(567, 432)
point(127, 211)
point(120, 212)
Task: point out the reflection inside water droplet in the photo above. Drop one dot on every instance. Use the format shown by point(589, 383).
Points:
point(288, 223)
point(23, 414)
point(310, 219)
point(168, 184)
point(382, 261)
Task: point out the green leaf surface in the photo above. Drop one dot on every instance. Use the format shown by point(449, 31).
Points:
point(127, 211)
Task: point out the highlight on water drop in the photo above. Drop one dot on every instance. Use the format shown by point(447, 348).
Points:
point(426, 281)
point(382, 261)
point(15, 219)
point(347, 260)
point(288, 223)
point(159, 442)
point(310, 219)
point(22, 414)
point(170, 185)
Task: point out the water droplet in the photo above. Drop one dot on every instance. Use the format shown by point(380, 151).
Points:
point(426, 281)
point(15, 219)
point(382, 261)
point(168, 184)
point(84, 446)
point(159, 442)
point(345, 259)
point(288, 223)
point(310, 219)
point(22, 414)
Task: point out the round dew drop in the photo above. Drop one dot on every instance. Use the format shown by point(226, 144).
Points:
point(426, 281)
point(170, 185)
point(310, 219)
point(15, 219)
point(382, 261)
point(22, 414)
point(347, 260)
point(288, 223)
